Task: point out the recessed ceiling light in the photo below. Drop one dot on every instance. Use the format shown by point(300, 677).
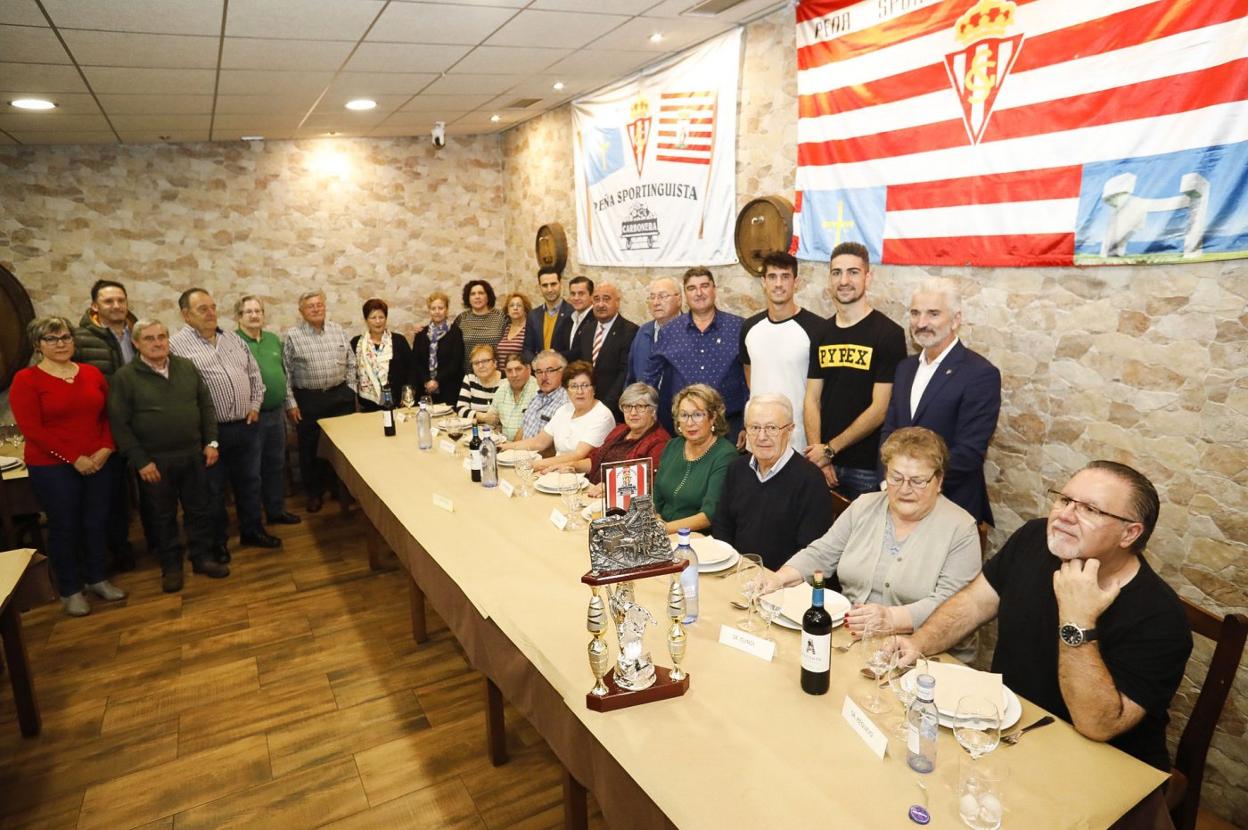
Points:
point(558, 86)
point(361, 104)
point(495, 118)
point(657, 37)
point(251, 138)
point(33, 104)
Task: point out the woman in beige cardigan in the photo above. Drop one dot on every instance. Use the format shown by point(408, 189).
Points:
point(900, 553)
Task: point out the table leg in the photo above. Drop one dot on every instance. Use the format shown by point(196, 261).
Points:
point(379, 554)
point(575, 806)
point(495, 725)
point(19, 672)
point(420, 632)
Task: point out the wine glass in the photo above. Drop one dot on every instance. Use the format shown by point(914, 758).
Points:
point(524, 471)
point(877, 653)
point(570, 490)
point(407, 398)
point(905, 692)
point(977, 725)
point(750, 584)
point(769, 606)
point(979, 792)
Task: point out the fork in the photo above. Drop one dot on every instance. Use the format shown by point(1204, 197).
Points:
point(1012, 738)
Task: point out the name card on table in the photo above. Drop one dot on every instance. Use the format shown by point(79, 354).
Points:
point(433, 432)
point(505, 488)
point(558, 519)
point(744, 641)
point(866, 729)
point(447, 447)
point(443, 502)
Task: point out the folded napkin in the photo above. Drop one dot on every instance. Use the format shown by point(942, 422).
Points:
point(955, 682)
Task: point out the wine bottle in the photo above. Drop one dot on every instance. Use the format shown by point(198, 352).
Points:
point(474, 455)
point(816, 643)
point(387, 411)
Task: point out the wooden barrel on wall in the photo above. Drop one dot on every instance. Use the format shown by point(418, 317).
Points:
point(16, 311)
point(764, 225)
point(551, 248)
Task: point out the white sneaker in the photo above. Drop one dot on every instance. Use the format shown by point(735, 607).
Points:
point(76, 605)
point(106, 590)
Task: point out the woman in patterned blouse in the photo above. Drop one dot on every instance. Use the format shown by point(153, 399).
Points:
point(382, 358)
point(480, 322)
point(517, 308)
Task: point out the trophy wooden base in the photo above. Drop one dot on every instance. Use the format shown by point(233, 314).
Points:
point(629, 574)
point(616, 698)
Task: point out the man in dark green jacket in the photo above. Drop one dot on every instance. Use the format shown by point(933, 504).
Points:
point(103, 339)
point(164, 423)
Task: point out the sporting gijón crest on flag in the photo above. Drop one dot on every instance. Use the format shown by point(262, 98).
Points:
point(1023, 132)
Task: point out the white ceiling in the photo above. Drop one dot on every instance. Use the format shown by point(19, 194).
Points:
point(138, 71)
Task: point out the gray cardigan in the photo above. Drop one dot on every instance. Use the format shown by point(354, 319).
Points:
point(941, 557)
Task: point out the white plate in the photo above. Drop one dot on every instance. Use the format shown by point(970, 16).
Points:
point(507, 458)
point(549, 483)
point(797, 600)
point(8, 462)
point(440, 409)
point(1013, 706)
point(710, 551)
point(720, 567)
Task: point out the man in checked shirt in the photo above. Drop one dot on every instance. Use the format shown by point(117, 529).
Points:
point(320, 373)
point(233, 379)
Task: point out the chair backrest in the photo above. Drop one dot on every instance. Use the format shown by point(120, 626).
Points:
point(1229, 633)
point(839, 504)
point(983, 528)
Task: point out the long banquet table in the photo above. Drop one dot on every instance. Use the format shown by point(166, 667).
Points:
point(745, 746)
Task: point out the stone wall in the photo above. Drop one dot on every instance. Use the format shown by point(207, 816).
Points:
point(392, 218)
point(1148, 366)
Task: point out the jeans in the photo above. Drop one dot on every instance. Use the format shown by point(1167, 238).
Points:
point(852, 482)
point(78, 509)
point(273, 462)
point(118, 532)
point(240, 462)
point(183, 478)
point(315, 404)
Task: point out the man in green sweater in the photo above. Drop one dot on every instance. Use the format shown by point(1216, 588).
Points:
point(163, 421)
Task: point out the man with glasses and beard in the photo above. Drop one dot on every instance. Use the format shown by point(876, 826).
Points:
point(949, 389)
point(1086, 628)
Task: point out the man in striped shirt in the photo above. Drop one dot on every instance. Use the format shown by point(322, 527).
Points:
point(233, 379)
point(320, 374)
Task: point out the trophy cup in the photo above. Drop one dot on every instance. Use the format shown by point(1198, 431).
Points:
point(623, 548)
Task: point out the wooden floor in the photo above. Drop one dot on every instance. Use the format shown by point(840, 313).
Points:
point(289, 695)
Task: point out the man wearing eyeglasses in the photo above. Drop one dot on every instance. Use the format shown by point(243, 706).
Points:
point(774, 501)
point(1086, 628)
point(664, 303)
point(548, 369)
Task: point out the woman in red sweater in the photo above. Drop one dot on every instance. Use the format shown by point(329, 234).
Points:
point(640, 436)
point(60, 406)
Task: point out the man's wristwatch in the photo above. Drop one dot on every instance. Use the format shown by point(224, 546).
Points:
point(828, 452)
point(214, 445)
point(1074, 636)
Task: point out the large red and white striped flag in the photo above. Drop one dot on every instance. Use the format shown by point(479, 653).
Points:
point(1023, 132)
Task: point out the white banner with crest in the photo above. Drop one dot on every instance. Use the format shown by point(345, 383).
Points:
point(656, 162)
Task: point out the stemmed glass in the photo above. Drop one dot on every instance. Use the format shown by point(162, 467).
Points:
point(750, 584)
point(407, 398)
point(570, 490)
point(977, 725)
point(905, 692)
point(524, 471)
point(769, 606)
point(877, 653)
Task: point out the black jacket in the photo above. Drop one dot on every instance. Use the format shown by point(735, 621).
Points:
point(450, 365)
point(95, 344)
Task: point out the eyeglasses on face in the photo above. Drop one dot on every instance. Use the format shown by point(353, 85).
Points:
point(661, 296)
point(769, 430)
point(635, 407)
point(1089, 513)
point(917, 482)
point(554, 370)
point(485, 361)
point(50, 339)
point(695, 417)
point(579, 387)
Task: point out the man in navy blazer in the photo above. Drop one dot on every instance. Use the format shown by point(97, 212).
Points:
point(554, 310)
point(617, 334)
point(949, 389)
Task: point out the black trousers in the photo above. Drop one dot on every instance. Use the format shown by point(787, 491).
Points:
point(315, 404)
point(183, 478)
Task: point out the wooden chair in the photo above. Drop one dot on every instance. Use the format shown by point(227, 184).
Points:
point(19, 517)
point(1229, 632)
point(839, 504)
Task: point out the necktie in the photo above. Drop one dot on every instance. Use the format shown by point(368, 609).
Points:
point(598, 336)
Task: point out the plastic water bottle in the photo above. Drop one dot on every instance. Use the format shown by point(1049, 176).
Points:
point(923, 726)
point(689, 576)
point(424, 427)
point(489, 459)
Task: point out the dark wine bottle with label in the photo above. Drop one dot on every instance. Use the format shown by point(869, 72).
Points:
point(816, 643)
point(387, 411)
point(474, 455)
